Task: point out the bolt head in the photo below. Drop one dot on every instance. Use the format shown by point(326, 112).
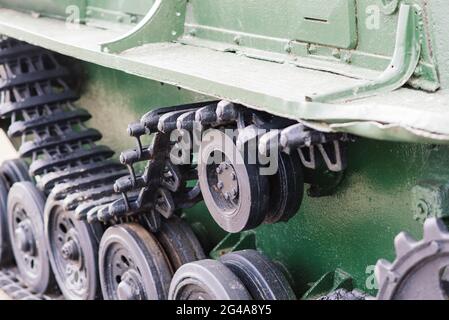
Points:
point(22, 239)
point(125, 291)
point(69, 250)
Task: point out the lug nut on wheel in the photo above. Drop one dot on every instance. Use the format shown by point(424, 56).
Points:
point(128, 288)
point(24, 237)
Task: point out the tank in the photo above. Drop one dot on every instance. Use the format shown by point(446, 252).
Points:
point(226, 150)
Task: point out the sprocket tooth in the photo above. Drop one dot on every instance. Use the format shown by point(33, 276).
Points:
point(381, 271)
point(403, 243)
point(434, 229)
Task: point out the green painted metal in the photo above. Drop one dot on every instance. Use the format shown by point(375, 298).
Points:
point(192, 55)
point(330, 282)
point(60, 9)
point(327, 22)
point(403, 64)
point(273, 74)
point(103, 13)
point(348, 230)
point(163, 23)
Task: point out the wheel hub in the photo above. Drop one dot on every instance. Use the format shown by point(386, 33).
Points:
point(227, 183)
point(70, 250)
point(25, 238)
point(130, 287)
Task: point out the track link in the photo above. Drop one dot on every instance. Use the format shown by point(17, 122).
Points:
point(15, 289)
point(38, 100)
point(62, 152)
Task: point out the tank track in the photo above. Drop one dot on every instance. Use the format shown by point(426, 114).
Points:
point(66, 161)
point(63, 156)
point(37, 99)
point(14, 288)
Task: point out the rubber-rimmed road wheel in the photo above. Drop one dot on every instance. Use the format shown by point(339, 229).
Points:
point(179, 242)
point(14, 170)
point(26, 230)
point(73, 252)
point(11, 171)
point(235, 192)
point(207, 280)
point(261, 277)
point(133, 265)
point(286, 189)
point(6, 256)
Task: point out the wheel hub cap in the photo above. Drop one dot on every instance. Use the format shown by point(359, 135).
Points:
point(70, 250)
point(25, 238)
point(129, 288)
point(227, 183)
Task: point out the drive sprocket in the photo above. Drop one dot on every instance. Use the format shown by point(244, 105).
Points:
point(421, 268)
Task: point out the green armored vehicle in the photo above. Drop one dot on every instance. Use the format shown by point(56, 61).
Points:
point(205, 149)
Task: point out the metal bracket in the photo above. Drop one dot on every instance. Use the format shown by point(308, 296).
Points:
point(403, 64)
point(333, 155)
point(163, 23)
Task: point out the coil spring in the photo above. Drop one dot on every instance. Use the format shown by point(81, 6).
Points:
point(64, 155)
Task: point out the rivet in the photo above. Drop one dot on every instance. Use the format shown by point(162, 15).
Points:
point(336, 53)
point(347, 58)
point(237, 39)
